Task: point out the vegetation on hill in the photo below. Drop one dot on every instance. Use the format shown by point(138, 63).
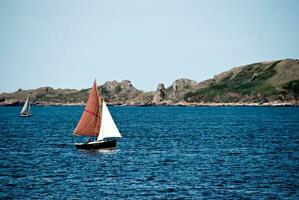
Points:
point(250, 83)
point(258, 82)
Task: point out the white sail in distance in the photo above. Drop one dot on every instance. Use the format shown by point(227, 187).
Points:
point(108, 128)
point(26, 108)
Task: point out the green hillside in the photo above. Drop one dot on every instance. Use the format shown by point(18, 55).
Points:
point(258, 82)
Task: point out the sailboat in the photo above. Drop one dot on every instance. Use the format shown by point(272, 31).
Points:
point(96, 121)
point(26, 110)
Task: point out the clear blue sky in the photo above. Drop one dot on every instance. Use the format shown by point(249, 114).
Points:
point(66, 44)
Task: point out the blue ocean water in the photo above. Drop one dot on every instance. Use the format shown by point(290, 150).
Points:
point(165, 153)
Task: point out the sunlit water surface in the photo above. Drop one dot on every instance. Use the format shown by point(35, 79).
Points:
point(165, 152)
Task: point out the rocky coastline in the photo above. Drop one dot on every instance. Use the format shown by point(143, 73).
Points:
point(180, 104)
point(271, 83)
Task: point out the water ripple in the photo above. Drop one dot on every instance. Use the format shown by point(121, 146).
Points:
point(165, 153)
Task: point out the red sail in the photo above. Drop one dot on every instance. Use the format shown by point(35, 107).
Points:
point(90, 122)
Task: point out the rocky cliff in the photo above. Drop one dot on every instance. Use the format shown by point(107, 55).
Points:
point(258, 82)
point(273, 81)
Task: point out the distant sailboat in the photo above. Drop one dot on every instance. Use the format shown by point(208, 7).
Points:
point(96, 121)
point(26, 110)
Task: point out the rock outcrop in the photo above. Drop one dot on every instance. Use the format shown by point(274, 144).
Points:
point(119, 92)
point(258, 83)
point(159, 94)
point(179, 88)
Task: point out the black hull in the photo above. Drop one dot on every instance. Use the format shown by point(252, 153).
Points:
point(25, 115)
point(97, 145)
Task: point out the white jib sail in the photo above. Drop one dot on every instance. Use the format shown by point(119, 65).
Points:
point(108, 128)
point(26, 107)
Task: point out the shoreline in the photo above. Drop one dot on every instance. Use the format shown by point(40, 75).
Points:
point(164, 104)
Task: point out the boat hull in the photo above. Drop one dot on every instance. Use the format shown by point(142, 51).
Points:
point(25, 115)
point(96, 145)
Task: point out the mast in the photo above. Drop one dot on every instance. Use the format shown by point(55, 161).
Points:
point(90, 122)
point(108, 128)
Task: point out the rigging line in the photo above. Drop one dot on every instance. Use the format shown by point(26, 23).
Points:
point(90, 112)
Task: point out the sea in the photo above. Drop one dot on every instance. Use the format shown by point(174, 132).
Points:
point(165, 153)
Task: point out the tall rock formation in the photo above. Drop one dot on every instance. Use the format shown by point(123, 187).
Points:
point(159, 94)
